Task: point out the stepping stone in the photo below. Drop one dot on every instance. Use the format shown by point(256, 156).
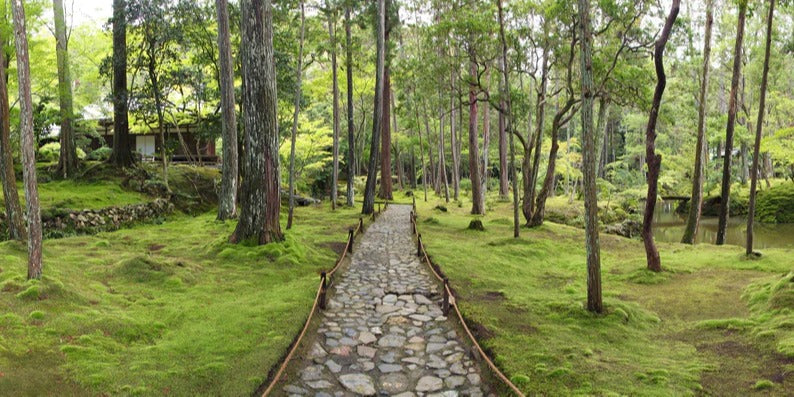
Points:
point(429, 383)
point(358, 383)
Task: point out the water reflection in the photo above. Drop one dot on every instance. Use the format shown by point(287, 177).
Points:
point(669, 227)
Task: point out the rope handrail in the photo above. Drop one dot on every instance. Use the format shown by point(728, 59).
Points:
point(450, 299)
point(319, 301)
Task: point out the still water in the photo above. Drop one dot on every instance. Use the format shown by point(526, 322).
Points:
point(669, 227)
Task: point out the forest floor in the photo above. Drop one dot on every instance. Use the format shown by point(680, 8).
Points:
point(712, 323)
point(157, 309)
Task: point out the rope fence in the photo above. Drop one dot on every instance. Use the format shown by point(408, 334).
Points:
point(449, 301)
point(320, 297)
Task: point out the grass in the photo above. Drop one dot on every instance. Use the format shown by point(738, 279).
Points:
point(160, 309)
point(685, 331)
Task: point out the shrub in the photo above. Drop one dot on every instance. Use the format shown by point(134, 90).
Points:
point(101, 154)
point(776, 205)
point(50, 152)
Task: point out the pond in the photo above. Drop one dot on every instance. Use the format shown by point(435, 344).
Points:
point(669, 227)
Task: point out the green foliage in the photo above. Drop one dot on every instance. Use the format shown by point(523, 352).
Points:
point(776, 205)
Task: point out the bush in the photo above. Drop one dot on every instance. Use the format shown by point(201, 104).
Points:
point(50, 152)
point(101, 154)
point(776, 205)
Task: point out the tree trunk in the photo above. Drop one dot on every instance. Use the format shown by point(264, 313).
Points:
point(696, 202)
point(453, 144)
point(594, 302)
point(385, 134)
point(759, 129)
point(504, 190)
point(421, 150)
point(295, 112)
point(227, 202)
point(477, 206)
point(652, 159)
point(531, 171)
point(601, 129)
point(26, 141)
point(539, 212)
point(260, 199)
point(732, 108)
point(122, 147)
point(442, 167)
point(486, 145)
point(67, 160)
point(335, 78)
point(14, 215)
point(158, 103)
point(372, 171)
point(350, 134)
point(507, 111)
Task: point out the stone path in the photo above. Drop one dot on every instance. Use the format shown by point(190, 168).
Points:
point(383, 332)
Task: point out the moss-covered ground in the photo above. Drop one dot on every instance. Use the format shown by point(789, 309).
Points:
point(169, 309)
point(713, 322)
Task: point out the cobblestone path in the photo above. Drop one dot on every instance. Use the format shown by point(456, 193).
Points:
point(383, 332)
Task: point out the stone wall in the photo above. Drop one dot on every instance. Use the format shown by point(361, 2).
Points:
point(66, 223)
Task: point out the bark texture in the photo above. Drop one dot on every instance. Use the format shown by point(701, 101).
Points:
point(506, 110)
point(372, 170)
point(594, 301)
point(335, 173)
point(725, 194)
point(122, 148)
point(696, 202)
point(27, 142)
point(385, 133)
point(351, 139)
point(14, 215)
point(67, 159)
point(477, 205)
point(227, 202)
point(295, 112)
point(652, 159)
point(759, 129)
point(260, 199)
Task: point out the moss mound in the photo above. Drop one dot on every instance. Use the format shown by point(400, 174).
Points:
point(776, 205)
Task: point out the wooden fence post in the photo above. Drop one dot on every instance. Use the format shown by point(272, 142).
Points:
point(360, 224)
point(445, 299)
point(321, 301)
point(414, 202)
point(350, 239)
point(419, 244)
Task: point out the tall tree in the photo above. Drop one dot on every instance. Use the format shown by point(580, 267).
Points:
point(725, 194)
point(477, 206)
point(759, 129)
point(27, 141)
point(507, 111)
point(377, 120)
point(696, 202)
point(351, 141)
point(486, 145)
point(227, 202)
point(594, 301)
point(335, 105)
point(385, 133)
point(67, 160)
point(504, 189)
point(260, 199)
point(652, 159)
point(295, 112)
point(122, 148)
point(14, 215)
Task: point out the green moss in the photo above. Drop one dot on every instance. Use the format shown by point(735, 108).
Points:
point(37, 315)
point(776, 205)
point(763, 384)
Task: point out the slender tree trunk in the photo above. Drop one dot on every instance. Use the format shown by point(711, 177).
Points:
point(759, 129)
point(531, 171)
point(158, 103)
point(453, 144)
point(227, 202)
point(477, 206)
point(442, 167)
point(594, 302)
point(421, 150)
point(372, 171)
point(507, 110)
point(504, 190)
point(122, 147)
point(335, 174)
point(385, 134)
point(67, 160)
point(601, 129)
point(652, 159)
point(14, 215)
point(26, 141)
point(696, 202)
point(486, 145)
point(295, 112)
point(260, 199)
point(546, 189)
point(732, 109)
point(350, 134)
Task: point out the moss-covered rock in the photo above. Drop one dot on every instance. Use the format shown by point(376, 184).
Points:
point(776, 205)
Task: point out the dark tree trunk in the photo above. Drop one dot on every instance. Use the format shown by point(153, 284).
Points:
point(453, 144)
point(421, 150)
point(486, 145)
point(295, 112)
point(759, 129)
point(385, 134)
point(696, 202)
point(732, 108)
point(532, 163)
point(351, 171)
point(122, 142)
point(594, 301)
point(67, 160)
point(504, 190)
point(227, 201)
point(27, 141)
point(14, 215)
point(260, 199)
point(652, 159)
point(538, 215)
point(335, 78)
point(601, 129)
point(372, 171)
point(506, 110)
point(477, 206)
